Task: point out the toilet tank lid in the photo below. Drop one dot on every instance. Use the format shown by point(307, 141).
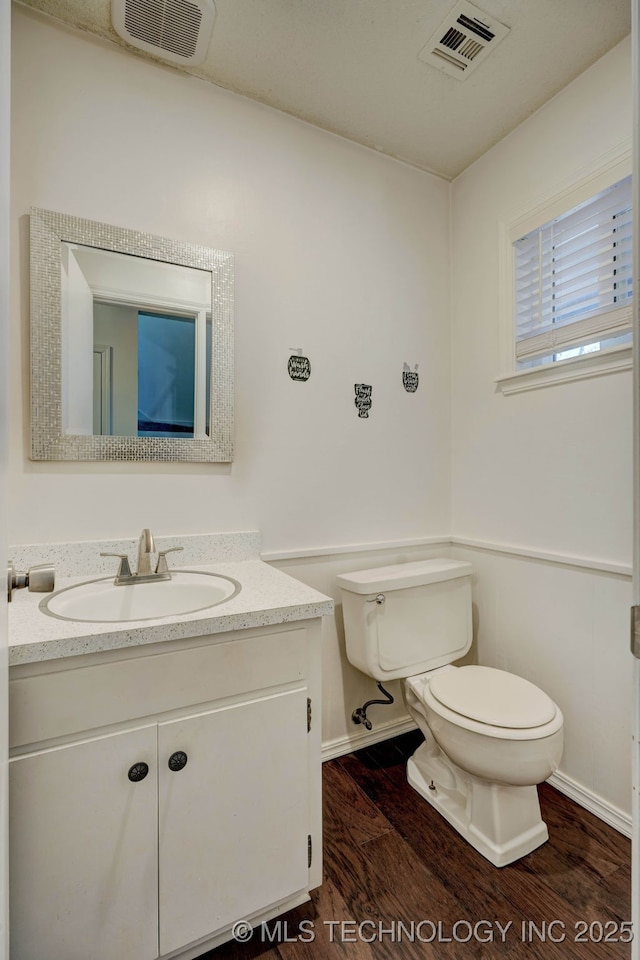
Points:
point(399, 575)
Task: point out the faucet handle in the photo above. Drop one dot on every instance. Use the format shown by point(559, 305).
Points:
point(162, 566)
point(124, 570)
point(39, 579)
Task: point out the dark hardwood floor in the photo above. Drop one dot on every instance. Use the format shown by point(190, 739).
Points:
point(400, 883)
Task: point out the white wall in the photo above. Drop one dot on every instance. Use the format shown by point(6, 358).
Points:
point(339, 250)
point(547, 471)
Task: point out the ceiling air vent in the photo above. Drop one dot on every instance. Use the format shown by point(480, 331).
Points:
point(175, 30)
point(463, 41)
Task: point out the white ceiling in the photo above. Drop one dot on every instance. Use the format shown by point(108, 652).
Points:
point(352, 67)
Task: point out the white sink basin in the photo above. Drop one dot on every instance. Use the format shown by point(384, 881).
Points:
point(100, 601)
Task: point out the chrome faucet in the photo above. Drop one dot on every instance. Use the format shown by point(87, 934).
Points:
point(144, 573)
point(146, 546)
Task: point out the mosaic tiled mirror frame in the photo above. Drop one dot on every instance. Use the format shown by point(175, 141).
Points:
point(48, 442)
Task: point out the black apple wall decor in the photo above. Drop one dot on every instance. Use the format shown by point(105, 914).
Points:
point(363, 399)
point(410, 378)
point(298, 366)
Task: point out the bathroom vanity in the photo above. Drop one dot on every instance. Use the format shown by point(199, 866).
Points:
point(164, 774)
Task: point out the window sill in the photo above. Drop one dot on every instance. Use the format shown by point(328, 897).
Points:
point(614, 360)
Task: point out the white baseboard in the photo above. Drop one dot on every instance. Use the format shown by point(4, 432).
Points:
point(592, 802)
point(595, 804)
point(365, 738)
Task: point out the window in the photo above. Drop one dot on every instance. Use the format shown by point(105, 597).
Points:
point(573, 281)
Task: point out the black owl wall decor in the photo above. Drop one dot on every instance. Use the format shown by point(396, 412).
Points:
point(410, 378)
point(298, 366)
point(363, 399)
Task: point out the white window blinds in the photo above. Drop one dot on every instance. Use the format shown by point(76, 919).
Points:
point(573, 278)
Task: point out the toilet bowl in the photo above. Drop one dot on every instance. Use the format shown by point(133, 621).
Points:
point(490, 736)
point(482, 775)
point(518, 743)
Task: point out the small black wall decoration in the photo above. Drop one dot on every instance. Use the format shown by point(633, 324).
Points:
point(363, 398)
point(410, 378)
point(298, 366)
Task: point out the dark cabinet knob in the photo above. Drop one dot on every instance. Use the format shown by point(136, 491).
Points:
point(138, 772)
point(178, 760)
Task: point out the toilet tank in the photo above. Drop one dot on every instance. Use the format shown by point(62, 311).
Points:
point(423, 622)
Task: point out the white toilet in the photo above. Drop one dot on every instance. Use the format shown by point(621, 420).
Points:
point(490, 736)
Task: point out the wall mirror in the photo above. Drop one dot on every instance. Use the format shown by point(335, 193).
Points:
point(131, 344)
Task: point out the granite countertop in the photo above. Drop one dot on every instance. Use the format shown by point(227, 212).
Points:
point(267, 597)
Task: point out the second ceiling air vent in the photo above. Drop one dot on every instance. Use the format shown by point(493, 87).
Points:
point(463, 40)
point(175, 30)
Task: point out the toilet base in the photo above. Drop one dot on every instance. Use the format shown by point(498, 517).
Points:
point(501, 822)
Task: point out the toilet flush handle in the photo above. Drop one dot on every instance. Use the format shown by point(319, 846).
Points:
point(379, 599)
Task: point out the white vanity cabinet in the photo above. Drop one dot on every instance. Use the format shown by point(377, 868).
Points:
point(83, 851)
point(234, 821)
point(161, 793)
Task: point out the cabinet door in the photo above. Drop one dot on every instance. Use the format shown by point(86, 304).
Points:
point(234, 820)
point(83, 851)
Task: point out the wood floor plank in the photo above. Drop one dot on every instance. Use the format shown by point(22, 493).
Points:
point(604, 849)
point(358, 814)
point(379, 890)
point(331, 922)
point(572, 878)
point(367, 877)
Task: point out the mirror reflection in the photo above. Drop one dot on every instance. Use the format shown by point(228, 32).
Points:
point(137, 342)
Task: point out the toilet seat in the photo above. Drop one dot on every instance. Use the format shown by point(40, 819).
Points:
point(487, 701)
point(493, 696)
